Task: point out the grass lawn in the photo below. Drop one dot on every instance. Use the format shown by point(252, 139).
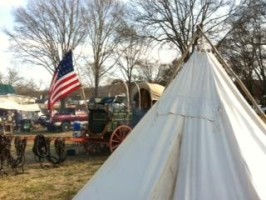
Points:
point(49, 182)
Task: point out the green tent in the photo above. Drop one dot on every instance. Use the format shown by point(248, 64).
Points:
point(6, 89)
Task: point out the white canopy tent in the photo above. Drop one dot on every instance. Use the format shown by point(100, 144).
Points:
point(200, 141)
point(8, 104)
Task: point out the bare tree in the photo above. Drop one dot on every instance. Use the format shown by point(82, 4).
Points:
point(174, 22)
point(13, 77)
point(23, 86)
point(105, 17)
point(1, 78)
point(27, 87)
point(45, 30)
point(152, 71)
point(245, 49)
point(129, 53)
point(86, 74)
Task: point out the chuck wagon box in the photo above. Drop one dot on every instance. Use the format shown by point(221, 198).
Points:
point(112, 119)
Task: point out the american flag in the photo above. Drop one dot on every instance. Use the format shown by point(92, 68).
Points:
point(64, 82)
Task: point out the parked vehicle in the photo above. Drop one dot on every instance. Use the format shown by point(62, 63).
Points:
point(64, 120)
point(43, 120)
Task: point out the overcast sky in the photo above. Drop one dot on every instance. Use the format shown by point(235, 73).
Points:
point(6, 20)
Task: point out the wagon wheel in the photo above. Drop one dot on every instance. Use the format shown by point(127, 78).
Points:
point(117, 137)
point(66, 126)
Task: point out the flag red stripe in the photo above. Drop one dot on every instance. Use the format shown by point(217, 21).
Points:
point(64, 89)
point(63, 95)
point(50, 105)
point(65, 78)
point(60, 92)
point(65, 82)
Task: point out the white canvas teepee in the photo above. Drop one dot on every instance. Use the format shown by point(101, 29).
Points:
point(200, 141)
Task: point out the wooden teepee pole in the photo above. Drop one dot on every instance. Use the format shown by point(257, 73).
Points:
point(243, 87)
point(180, 62)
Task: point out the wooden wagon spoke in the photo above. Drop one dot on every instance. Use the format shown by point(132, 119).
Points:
point(117, 137)
point(116, 141)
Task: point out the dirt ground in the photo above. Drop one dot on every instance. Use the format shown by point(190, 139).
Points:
point(48, 181)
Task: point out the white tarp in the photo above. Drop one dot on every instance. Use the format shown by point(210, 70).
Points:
point(200, 141)
point(8, 104)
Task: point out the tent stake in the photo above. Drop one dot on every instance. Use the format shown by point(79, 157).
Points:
point(243, 87)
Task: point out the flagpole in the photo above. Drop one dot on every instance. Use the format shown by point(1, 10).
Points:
point(50, 107)
point(82, 88)
point(243, 87)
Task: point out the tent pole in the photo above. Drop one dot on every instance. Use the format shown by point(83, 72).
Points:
point(178, 65)
point(243, 87)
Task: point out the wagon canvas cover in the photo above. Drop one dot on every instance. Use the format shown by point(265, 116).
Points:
point(154, 89)
point(200, 141)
